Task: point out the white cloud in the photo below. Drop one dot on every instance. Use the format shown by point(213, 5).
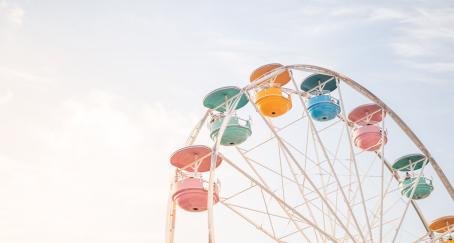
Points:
point(16, 15)
point(381, 14)
point(19, 75)
point(11, 20)
point(415, 32)
point(97, 162)
point(11, 14)
point(436, 67)
point(348, 12)
point(7, 97)
point(433, 24)
point(420, 35)
point(408, 49)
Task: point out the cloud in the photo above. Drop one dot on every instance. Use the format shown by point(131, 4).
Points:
point(11, 19)
point(436, 67)
point(114, 123)
point(16, 15)
point(416, 34)
point(420, 35)
point(11, 14)
point(382, 14)
point(408, 49)
point(7, 97)
point(93, 168)
point(19, 75)
point(432, 24)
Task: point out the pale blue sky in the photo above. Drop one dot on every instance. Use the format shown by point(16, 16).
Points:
point(95, 95)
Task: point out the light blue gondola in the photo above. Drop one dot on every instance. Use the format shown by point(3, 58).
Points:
point(323, 107)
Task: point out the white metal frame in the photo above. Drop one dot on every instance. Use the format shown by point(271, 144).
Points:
point(356, 233)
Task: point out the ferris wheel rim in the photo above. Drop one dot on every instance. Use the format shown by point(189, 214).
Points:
point(359, 88)
point(374, 98)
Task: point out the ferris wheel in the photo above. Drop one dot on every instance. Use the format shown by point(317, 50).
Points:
point(306, 154)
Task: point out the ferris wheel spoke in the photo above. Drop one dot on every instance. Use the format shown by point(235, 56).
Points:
point(319, 141)
point(329, 126)
point(286, 207)
point(413, 190)
point(353, 159)
point(335, 158)
point(281, 172)
point(250, 221)
point(289, 235)
point(237, 193)
point(230, 108)
point(266, 167)
point(382, 170)
point(300, 188)
point(376, 212)
point(414, 204)
point(319, 176)
point(171, 204)
point(272, 137)
point(287, 151)
point(306, 157)
point(260, 178)
point(322, 180)
point(328, 193)
point(267, 212)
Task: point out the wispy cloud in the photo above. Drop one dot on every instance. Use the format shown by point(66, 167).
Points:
point(426, 34)
point(6, 97)
point(408, 49)
point(382, 14)
point(11, 19)
point(15, 75)
point(11, 14)
point(438, 67)
point(420, 35)
point(93, 154)
point(417, 33)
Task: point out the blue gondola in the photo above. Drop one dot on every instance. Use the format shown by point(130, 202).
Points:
point(323, 107)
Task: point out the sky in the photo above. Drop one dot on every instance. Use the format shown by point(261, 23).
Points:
point(95, 95)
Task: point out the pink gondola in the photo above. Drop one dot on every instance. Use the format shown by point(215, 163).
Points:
point(191, 195)
point(368, 137)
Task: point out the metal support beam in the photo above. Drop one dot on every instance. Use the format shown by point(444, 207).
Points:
point(405, 128)
point(277, 198)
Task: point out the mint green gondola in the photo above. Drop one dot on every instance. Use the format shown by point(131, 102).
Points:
point(422, 190)
point(236, 132)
